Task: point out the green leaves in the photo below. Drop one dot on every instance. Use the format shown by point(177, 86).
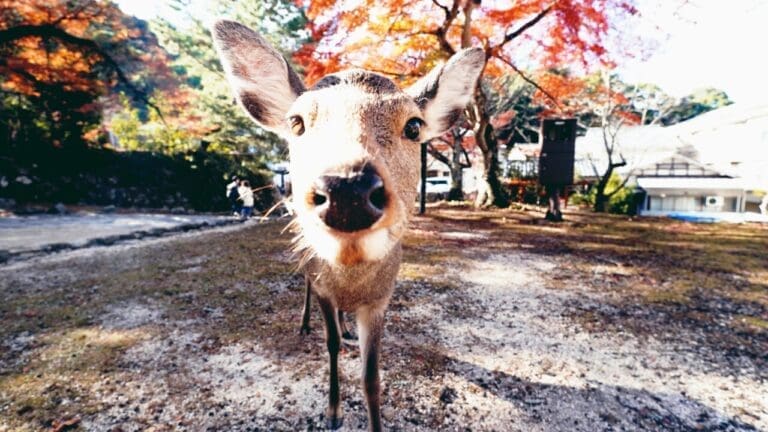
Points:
point(187, 37)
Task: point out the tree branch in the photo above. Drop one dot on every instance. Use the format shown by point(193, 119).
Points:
point(529, 80)
point(466, 28)
point(620, 187)
point(468, 163)
point(618, 164)
point(593, 165)
point(444, 8)
point(437, 155)
point(50, 31)
point(508, 37)
point(608, 146)
point(442, 31)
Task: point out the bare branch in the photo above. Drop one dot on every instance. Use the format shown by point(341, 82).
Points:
point(49, 31)
point(508, 37)
point(442, 31)
point(593, 165)
point(529, 80)
point(468, 163)
point(438, 155)
point(466, 28)
point(608, 145)
point(619, 164)
point(444, 8)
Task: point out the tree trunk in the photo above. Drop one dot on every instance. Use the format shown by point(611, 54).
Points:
point(601, 199)
point(490, 191)
point(456, 193)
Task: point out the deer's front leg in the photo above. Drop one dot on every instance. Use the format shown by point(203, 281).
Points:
point(370, 327)
point(305, 313)
point(334, 415)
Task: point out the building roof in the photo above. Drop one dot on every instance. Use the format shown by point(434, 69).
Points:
point(692, 184)
point(731, 140)
point(678, 165)
point(639, 146)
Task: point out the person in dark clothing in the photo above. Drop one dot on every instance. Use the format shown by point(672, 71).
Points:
point(234, 195)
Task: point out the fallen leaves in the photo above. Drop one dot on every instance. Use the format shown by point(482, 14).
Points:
point(65, 424)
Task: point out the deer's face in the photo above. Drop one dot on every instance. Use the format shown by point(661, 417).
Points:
point(354, 165)
point(353, 140)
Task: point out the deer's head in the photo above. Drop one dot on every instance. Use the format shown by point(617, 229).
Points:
point(353, 139)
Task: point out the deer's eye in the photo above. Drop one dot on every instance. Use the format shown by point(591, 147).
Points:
point(412, 128)
point(297, 125)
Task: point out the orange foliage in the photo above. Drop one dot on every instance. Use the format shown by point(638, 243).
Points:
point(404, 39)
point(59, 48)
point(578, 95)
point(87, 46)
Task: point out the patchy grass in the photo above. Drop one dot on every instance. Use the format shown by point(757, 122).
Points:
point(724, 256)
point(58, 347)
point(656, 276)
point(54, 384)
point(62, 331)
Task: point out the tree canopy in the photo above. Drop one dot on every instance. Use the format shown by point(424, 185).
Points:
point(71, 71)
point(58, 58)
point(225, 125)
point(406, 39)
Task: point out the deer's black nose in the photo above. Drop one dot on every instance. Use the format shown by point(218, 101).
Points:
point(350, 203)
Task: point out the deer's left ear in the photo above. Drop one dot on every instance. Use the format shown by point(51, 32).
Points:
point(443, 94)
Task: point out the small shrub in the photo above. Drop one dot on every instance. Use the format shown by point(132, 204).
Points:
point(621, 202)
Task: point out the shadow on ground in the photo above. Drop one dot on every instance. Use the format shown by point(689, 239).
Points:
point(498, 323)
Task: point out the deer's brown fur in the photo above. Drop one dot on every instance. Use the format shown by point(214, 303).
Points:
point(350, 139)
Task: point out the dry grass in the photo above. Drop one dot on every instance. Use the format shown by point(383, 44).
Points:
point(655, 277)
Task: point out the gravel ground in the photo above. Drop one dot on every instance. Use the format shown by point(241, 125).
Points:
point(478, 341)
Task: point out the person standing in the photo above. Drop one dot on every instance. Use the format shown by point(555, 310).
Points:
point(233, 195)
point(246, 196)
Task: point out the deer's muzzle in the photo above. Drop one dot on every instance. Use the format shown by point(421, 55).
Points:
point(351, 202)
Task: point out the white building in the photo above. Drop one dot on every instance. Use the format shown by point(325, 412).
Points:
point(679, 184)
point(714, 163)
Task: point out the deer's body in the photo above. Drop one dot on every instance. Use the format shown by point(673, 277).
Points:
point(364, 284)
point(354, 146)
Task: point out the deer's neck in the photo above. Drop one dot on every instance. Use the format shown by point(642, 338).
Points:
point(352, 286)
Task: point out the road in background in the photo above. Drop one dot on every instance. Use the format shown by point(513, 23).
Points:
point(35, 233)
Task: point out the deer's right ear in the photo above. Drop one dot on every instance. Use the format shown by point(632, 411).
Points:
point(264, 83)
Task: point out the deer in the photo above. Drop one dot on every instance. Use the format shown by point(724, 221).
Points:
point(354, 153)
point(346, 335)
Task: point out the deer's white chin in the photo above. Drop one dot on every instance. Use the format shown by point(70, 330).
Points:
point(348, 249)
point(376, 244)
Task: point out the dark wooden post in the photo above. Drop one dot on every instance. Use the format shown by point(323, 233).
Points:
point(558, 141)
point(423, 195)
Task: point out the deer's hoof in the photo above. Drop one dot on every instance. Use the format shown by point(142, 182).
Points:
point(333, 423)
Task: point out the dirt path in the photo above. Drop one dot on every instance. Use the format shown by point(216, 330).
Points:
point(165, 336)
point(25, 236)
